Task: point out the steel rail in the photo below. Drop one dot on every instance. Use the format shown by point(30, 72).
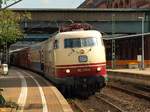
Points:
point(118, 109)
point(135, 93)
point(79, 107)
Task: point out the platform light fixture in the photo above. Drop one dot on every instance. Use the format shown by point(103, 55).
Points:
point(142, 60)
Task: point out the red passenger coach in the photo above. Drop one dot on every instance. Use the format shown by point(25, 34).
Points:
point(20, 57)
point(74, 59)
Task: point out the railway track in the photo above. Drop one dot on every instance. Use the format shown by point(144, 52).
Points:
point(135, 93)
point(143, 88)
point(103, 103)
point(113, 107)
point(107, 102)
point(76, 106)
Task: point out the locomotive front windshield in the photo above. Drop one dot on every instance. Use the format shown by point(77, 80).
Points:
point(80, 42)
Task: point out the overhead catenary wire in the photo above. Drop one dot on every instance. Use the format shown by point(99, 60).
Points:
point(1, 9)
point(126, 36)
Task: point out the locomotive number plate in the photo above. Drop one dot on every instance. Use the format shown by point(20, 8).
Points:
point(83, 58)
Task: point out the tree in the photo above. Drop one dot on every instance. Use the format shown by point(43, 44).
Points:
point(10, 30)
point(9, 27)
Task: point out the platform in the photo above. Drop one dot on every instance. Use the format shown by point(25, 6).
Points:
point(31, 92)
point(145, 72)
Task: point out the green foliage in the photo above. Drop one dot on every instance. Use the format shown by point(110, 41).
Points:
point(10, 30)
point(9, 27)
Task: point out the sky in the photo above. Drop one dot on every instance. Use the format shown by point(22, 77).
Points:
point(48, 4)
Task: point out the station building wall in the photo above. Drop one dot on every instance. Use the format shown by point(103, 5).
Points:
point(126, 51)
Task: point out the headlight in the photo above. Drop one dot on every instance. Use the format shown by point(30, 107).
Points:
point(67, 70)
point(98, 69)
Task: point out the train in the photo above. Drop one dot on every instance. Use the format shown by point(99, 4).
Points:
point(73, 59)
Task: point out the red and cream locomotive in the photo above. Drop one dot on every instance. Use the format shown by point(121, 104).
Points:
point(74, 59)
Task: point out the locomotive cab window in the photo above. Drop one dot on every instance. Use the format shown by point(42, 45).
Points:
point(80, 42)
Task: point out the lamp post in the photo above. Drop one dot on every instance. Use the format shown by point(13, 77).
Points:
point(143, 65)
point(113, 43)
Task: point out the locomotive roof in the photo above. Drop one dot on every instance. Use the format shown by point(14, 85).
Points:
point(78, 33)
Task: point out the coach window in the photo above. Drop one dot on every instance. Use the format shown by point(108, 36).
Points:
point(56, 44)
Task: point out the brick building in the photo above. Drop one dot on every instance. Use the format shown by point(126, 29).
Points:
point(116, 4)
